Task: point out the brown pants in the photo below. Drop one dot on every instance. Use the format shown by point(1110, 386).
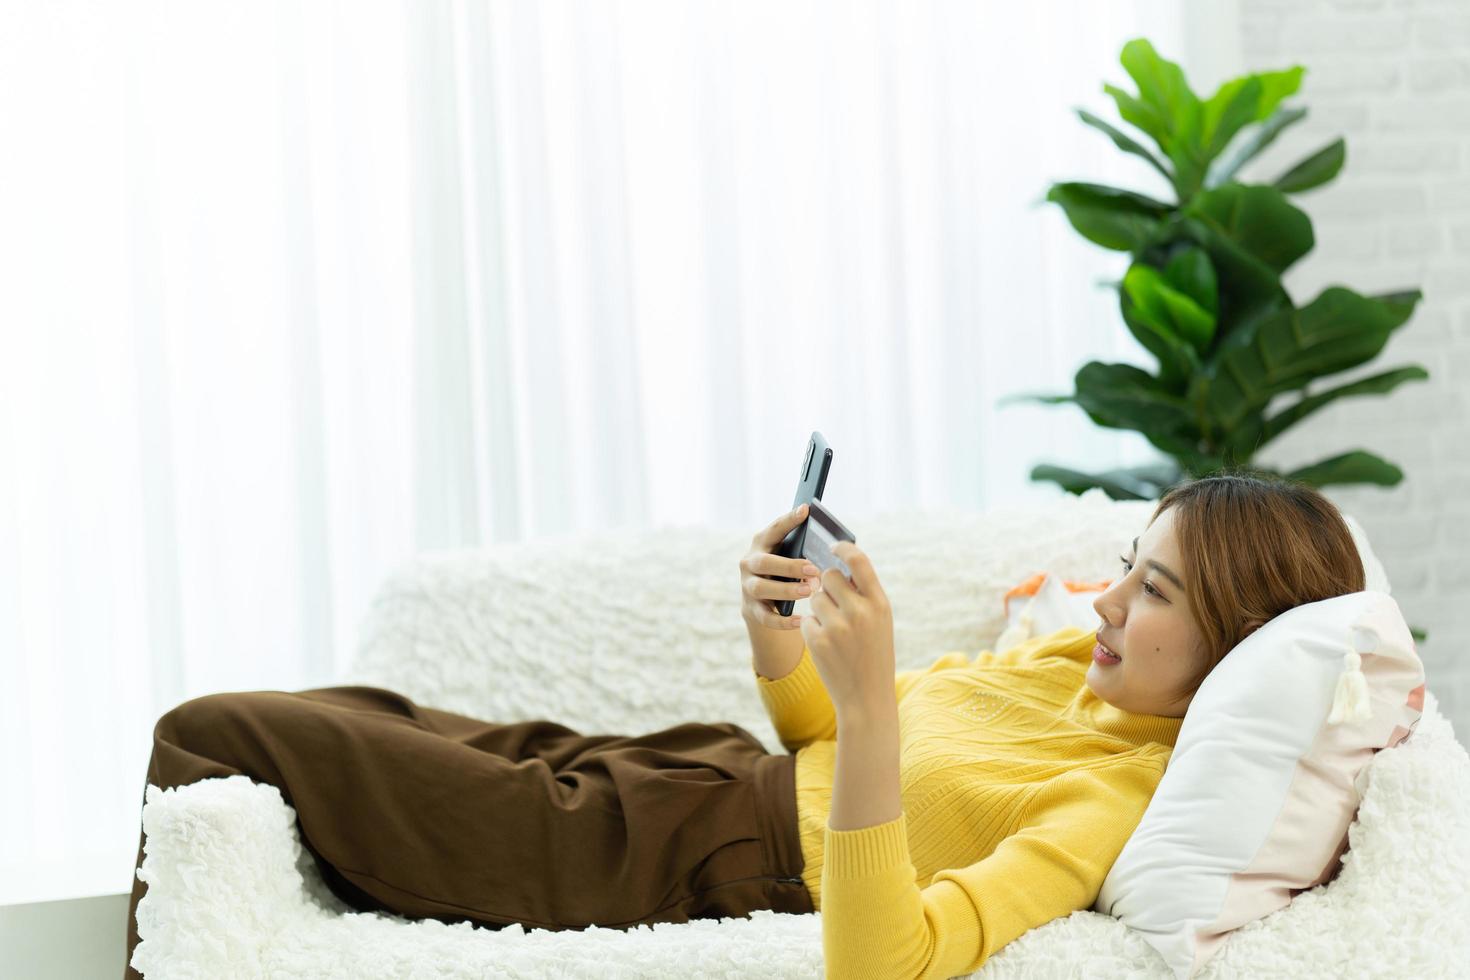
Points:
point(429, 814)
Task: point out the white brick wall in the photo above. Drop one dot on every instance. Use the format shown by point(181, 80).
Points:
point(1393, 78)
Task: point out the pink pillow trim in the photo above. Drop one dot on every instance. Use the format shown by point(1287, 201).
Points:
point(1325, 775)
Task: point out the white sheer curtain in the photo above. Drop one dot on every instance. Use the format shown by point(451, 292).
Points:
point(294, 291)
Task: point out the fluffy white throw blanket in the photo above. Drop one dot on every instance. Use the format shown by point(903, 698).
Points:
point(231, 892)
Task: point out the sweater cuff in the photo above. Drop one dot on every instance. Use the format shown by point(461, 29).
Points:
point(795, 687)
point(867, 851)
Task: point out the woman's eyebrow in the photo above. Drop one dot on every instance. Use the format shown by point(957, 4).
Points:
point(1162, 570)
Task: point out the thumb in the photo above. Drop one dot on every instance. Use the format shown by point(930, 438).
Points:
point(781, 526)
point(792, 518)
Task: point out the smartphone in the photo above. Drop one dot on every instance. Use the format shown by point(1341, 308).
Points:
point(809, 487)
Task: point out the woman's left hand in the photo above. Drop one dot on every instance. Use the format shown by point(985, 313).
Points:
point(850, 635)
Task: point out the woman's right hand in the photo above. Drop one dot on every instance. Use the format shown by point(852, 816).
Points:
point(758, 590)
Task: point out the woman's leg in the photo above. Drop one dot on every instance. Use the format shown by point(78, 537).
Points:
point(431, 814)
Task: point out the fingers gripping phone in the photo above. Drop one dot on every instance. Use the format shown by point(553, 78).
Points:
point(809, 487)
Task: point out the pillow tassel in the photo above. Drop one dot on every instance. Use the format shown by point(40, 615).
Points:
point(1350, 701)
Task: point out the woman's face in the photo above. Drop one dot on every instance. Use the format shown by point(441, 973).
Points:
point(1146, 620)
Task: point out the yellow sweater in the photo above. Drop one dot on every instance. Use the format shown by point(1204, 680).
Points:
point(1019, 786)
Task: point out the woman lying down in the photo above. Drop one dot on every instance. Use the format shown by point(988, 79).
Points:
point(931, 816)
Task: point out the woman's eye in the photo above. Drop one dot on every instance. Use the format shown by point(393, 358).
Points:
point(1147, 586)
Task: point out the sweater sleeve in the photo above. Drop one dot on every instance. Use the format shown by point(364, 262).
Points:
point(877, 922)
point(798, 704)
point(801, 710)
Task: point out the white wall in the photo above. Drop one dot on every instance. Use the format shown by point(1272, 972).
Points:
point(81, 937)
point(1393, 78)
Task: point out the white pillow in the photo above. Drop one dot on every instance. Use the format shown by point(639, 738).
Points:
point(1261, 787)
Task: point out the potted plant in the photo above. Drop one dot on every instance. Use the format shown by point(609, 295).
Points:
point(1203, 290)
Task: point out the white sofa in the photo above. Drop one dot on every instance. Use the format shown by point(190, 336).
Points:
point(630, 632)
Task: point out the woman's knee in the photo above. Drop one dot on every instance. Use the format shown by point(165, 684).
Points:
point(202, 716)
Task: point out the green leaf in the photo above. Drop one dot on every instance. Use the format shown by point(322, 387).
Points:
point(1243, 438)
point(1168, 310)
point(1400, 304)
point(1224, 112)
point(1277, 85)
point(1124, 142)
point(1250, 289)
point(1197, 395)
point(1353, 467)
point(1117, 484)
point(1032, 397)
point(1162, 475)
point(1378, 384)
point(1176, 358)
point(1194, 324)
point(1126, 395)
point(1147, 118)
point(1113, 218)
point(1314, 171)
point(1286, 350)
point(1122, 396)
point(1190, 272)
point(1230, 109)
point(1225, 168)
point(1162, 87)
point(1257, 218)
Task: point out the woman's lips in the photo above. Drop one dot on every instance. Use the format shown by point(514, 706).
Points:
point(1104, 656)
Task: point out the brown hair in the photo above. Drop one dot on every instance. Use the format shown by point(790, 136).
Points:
point(1255, 545)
